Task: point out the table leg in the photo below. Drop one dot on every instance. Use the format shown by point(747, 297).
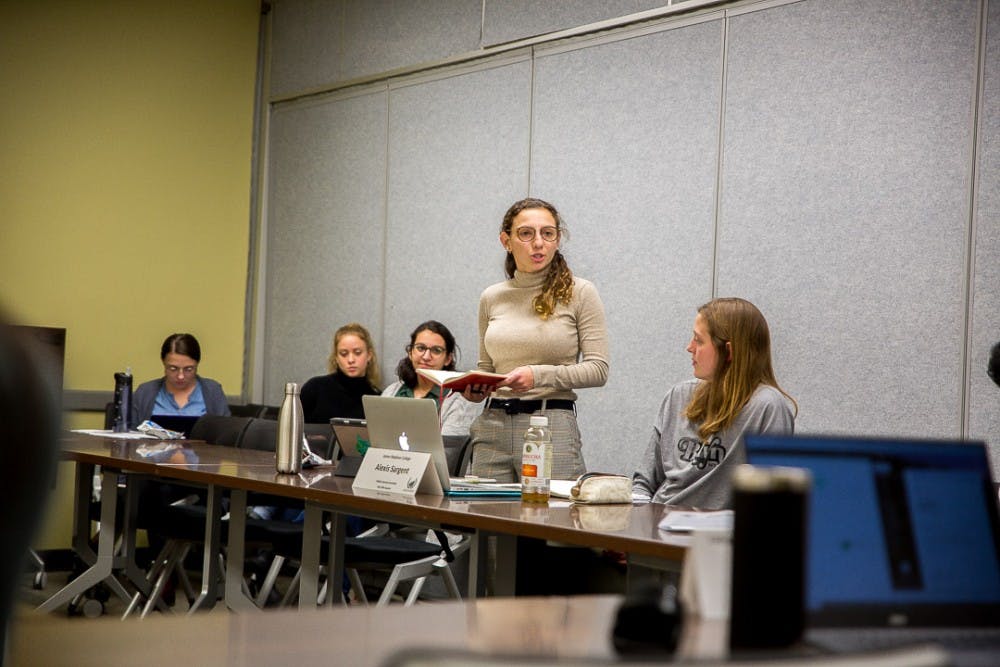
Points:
point(101, 569)
point(312, 532)
point(210, 563)
point(81, 512)
point(478, 550)
point(335, 568)
point(505, 581)
point(134, 573)
point(236, 599)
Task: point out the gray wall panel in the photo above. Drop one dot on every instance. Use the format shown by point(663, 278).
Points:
point(325, 227)
point(625, 144)
point(382, 35)
point(984, 396)
point(317, 43)
point(841, 203)
point(458, 158)
point(306, 44)
point(845, 204)
point(511, 20)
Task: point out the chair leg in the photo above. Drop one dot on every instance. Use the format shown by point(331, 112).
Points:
point(356, 585)
point(293, 589)
point(178, 556)
point(154, 572)
point(415, 588)
point(269, 579)
point(444, 571)
point(186, 586)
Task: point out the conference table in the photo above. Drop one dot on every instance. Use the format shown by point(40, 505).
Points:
point(487, 631)
point(629, 529)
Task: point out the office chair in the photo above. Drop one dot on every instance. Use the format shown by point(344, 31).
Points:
point(220, 430)
point(458, 451)
point(397, 559)
point(382, 549)
point(175, 514)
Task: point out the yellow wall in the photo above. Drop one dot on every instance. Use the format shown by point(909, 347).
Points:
point(126, 134)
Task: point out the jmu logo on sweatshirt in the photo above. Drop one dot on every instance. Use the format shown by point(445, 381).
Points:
point(701, 454)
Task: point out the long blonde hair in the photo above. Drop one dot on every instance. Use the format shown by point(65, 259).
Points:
point(372, 372)
point(742, 366)
point(558, 285)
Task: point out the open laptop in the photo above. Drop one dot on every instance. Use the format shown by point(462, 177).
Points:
point(903, 536)
point(409, 423)
point(180, 423)
point(352, 436)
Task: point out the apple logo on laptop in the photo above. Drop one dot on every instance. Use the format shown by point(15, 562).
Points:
point(404, 442)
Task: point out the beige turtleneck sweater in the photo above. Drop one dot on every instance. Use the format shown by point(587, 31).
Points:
point(567, 351)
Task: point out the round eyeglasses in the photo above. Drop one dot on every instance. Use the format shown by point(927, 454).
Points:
point(421, 349)
point(527, 234)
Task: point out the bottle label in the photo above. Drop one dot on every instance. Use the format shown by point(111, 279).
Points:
point(533, 460)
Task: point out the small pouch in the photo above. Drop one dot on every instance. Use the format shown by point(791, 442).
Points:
point(599, 488)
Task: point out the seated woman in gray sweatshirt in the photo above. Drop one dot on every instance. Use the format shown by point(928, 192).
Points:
point(697, 438)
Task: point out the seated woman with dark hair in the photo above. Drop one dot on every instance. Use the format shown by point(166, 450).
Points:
point(432, 346)
point(181, 391)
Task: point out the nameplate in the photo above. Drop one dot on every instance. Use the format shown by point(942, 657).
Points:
point(394, 471)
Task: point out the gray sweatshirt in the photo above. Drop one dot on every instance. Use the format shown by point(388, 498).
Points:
point(679, 469)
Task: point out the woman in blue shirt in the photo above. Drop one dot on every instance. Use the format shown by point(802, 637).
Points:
point(180, 392)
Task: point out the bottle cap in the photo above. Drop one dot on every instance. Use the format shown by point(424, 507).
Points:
point(539, 420)
point(291, 387)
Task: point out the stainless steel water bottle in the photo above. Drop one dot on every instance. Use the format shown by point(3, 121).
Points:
point(122, 401)
point(291, 427)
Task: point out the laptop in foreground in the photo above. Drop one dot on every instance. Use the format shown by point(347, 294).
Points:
point(412, 423)
point(903, 542)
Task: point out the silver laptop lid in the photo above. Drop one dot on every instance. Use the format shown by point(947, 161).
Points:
point(407, 423)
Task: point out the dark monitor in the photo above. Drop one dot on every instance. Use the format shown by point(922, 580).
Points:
point(49, 346)
point(898, 528)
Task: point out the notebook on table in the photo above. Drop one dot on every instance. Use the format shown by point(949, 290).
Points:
point(903, 542)
point(352, 437)
point(412, 424)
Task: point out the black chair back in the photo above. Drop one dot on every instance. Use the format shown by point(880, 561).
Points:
point(248, 410)
point(263, 434)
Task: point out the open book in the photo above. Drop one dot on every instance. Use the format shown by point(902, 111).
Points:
point(457, 381)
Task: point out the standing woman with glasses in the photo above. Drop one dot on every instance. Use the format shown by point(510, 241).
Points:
point(181, 391)
point(432, 346)
point(544, 329)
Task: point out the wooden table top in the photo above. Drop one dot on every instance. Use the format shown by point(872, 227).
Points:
point(626, 528)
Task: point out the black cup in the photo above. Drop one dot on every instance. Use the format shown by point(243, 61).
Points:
point(770, 507)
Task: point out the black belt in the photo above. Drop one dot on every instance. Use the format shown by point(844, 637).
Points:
point(516, 406)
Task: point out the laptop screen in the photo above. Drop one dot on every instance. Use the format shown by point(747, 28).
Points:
point(181, 423)
point(900, 531)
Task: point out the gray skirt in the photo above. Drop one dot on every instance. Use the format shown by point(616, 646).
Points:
point(497, 439)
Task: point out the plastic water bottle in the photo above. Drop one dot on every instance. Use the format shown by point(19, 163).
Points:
point(291, 428)
point(536, 461)
point(123, 401)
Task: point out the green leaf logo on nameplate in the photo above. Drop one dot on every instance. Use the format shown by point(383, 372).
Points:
point(362, 445)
